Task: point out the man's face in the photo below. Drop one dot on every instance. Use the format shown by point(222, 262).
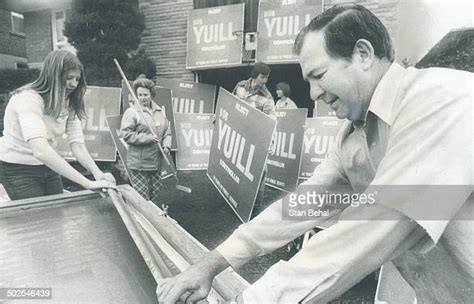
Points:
point(261, 80)
point(334, 81)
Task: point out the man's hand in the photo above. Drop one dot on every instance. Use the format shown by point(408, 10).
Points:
point(193, 284)
point(190, 286)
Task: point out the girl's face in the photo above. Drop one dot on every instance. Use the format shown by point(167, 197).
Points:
point(144, 96)
point(72, 80)
point(279, 93)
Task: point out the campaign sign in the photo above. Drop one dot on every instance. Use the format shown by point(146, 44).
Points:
point(122, 147)
point(320, 134)
point(194, 134)
point(100, 102)
point(283, 163)
point(279, 22)
point(323, 110)
point(190, 97)
point(240, 141)
point(215, 36)
point(163, 99)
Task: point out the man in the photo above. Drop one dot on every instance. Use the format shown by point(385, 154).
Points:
point(254, 90)
point(405, 127)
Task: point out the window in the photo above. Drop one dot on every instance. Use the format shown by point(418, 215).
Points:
point(21, 65)
point(57, 19)
point(18, 24)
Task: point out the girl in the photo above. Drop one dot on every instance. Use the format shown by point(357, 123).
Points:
point(36, 114)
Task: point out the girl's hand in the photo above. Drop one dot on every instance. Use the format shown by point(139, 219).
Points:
point(106, 177)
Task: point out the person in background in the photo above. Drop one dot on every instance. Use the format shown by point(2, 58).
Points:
point(37, 113)
point(283, 92)
point(254, 90)
point(144, 158)
point(406, 141)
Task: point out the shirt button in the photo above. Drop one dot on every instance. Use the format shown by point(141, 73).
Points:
point(373, 144)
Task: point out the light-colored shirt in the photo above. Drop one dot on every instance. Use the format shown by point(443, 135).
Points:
point(25, 119)
point(417, 132)
point(258, 97)
point(286, 104)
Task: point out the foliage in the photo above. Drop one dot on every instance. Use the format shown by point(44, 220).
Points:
point(455, 51)
point(102, 30)
point(10, 79)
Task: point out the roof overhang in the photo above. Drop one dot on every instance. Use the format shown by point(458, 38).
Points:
point(22, 6)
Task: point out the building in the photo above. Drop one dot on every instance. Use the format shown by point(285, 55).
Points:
point(12, 40)
point(43, 24)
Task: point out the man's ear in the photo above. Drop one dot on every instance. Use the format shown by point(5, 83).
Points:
point(364, 53)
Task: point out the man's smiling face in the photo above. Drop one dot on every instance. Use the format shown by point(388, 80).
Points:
point(334, 81)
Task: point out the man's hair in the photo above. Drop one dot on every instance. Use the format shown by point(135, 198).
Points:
point(146, 83)
point(284, 87)
point(51, 84)
point(342, 26)
point(260, 68)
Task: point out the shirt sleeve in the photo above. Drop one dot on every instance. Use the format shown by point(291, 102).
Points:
point(268, 231)
point(30, 108)
point(74, 129)
point(430, 148)
point(167, 135)
point(332, 261)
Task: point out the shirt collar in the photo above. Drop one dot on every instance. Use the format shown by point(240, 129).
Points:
point(385, 93)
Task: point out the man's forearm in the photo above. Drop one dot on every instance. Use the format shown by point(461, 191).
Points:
point(214, 262)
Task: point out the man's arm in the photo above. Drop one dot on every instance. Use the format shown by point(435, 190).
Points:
point(195, 283)
point(263, 234)
point(337, 258)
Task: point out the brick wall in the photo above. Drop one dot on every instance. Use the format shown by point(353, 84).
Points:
point(10, 43)
point(165, 36)
point(38, 30)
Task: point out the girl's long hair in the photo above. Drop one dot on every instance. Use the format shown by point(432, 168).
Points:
point(51, 84)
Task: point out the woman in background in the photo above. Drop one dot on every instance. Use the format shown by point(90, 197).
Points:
point(144, 158)
point(283, 93)
point(37, 113)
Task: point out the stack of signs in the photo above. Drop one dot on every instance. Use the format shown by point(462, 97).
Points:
point(99, 102)
point(279, 22)
point(241, 138)
point(194, 134)
point(215, 37)
point(320, 134)
point(283, 163)
point(190, 97)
